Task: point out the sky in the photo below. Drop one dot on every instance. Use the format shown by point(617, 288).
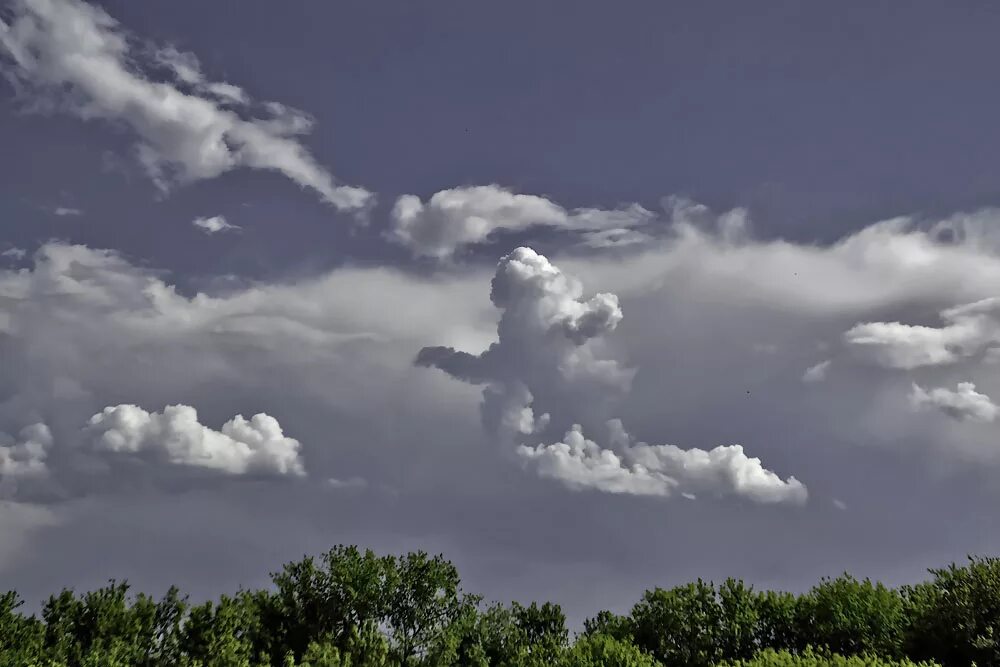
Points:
point(588, 298)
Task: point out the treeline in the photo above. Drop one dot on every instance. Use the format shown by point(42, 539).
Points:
point(353, 608)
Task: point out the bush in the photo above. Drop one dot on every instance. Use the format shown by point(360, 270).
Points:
point(812, 658)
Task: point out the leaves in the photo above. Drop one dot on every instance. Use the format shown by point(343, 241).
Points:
point(353, 608)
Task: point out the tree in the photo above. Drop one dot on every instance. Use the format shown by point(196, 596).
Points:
point(602, 651)
point(423, 601)
point(955, 618)
point(331, 599)
point(612, 625)
point(851, 617)
point(778, 622)
point(679, 626)
point(739, 620)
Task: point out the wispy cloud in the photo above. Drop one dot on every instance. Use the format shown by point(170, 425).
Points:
point(73, 56)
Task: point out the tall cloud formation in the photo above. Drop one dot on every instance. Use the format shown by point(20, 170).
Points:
point(546, 345)
point(175, 436)
point(76, 56)
point(458, 217)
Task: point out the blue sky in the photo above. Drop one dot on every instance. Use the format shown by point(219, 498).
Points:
point(788, 208)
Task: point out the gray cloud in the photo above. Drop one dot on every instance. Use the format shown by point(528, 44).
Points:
point(963, 403)
point(25, 457)
point(188, 128)
point(330, 356)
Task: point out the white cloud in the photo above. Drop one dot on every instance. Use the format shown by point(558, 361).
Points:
point(963, 403)
point(458, 217)
point(967, 330)
point(257, 445)
point(63, 211)
point(215, 224)
point(544, 348)
point(659, 470)
point(76, 56)
point(14, 253)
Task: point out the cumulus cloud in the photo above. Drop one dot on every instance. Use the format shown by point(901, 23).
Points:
point(966, 330)
point(452, 219)
point(26, 455)
point(545, 346)
point(82, 329)
point(215, 224)
point(242, 446)
point(659, 470)
point(74, 56)
point(963, 403)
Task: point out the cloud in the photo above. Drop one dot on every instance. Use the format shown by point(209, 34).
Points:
point(175, 436)
point(25, 457)
point(214, 225)
point(452, 219)
point(14, 253)
point(816, 373)
point(545, 348)
point(967, 330)
point(659, 470)
point(82, 329)
point(542, 347)
point(63, 211)
point(963, 403)
point(330, 357)
point(74, 56)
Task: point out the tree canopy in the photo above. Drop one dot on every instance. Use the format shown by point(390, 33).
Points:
point(354, 608)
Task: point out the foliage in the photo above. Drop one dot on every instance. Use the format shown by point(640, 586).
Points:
point(353, 608)
point(603, 651)
point(811, 658)
point(955, 618)
point(850, 617)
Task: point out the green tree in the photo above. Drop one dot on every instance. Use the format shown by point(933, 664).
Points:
point(330, 599)
point(423, 602)
point(739, 620)
point(599, 650)
point(851, 617)
point(813, 658)
point(612, 625)
point(778, 621)
point(679, 626)
point(955, 618)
